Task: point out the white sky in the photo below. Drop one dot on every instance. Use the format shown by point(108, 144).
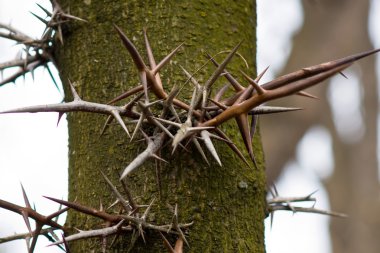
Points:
point(34, 151)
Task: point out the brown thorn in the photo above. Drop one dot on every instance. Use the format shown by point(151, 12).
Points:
point(66, 244)
point(25, 216)
point(231, 145)
point(316, 69)
point(254, 84)
point(220, 105)
point(129, 194)
point(243, 124)
point(258, 78)
point(167, 243)
point(36, 233)
point(306, 94)
point(151, 59)
point(220, 92)
point(254, 120)
point(60, 114)
point(235, 84)
point(57, 213)
point(126, 94)
point(87, 210)
point(221, 67)
point(136, 57)
point(166, 59)
point(26, 200)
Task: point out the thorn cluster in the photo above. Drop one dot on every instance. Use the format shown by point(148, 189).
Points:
point(129, 220)
point(206, 111)
point(36, 52)
point(41, 221)
point(277, 203)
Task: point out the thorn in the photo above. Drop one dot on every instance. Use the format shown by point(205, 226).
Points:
point(126, 94)
point(59, 34)
point(35, 236)
point(60, 114)
point(243, 124)
point(311, 194)
point(258, 78)
point(254, 84)
point(191, 78)
point(74, 92)
point(220, 105)
point(206, 138)
point(52, 77)
point(116, 193)
point(138, 125)
point(176, 225)
point(66, 244)
point(48, 13)
point(56, 214)
point(27, 223)
point(118, 118)
point(200, 150)
point(231, 145)
point(252, 131)
point(275, 190)
point(26, 200)
point(39, 18)
point(271, 219)
point(166, 59)
point(306, 94)
point(136, 57)
point(167, 244)
point(143, 217)
point(342, 74)
point(106, 124)
point(158, 176)
point(263, 109)
point(73, 17)
point(159, 158)
point(221, 67)
point(220, 93)
point(152, 148)
point(235, 84)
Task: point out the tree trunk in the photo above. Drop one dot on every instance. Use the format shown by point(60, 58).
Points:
point(227, 204)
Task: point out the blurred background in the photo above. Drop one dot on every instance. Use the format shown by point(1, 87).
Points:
point(330, 146)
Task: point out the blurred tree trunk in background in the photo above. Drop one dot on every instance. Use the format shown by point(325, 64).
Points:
point(333, 29)
point(227, 218)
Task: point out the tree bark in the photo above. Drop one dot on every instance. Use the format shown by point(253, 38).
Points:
point(227, 204)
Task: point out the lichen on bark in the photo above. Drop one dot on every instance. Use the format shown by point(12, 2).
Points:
point(227, 204)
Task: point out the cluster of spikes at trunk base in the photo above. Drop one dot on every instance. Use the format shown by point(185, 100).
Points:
point(181, 123)
point(124, 216)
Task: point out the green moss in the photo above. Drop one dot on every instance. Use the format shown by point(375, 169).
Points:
point(226, 203)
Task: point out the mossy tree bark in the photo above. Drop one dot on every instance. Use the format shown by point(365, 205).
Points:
point(227, 204)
